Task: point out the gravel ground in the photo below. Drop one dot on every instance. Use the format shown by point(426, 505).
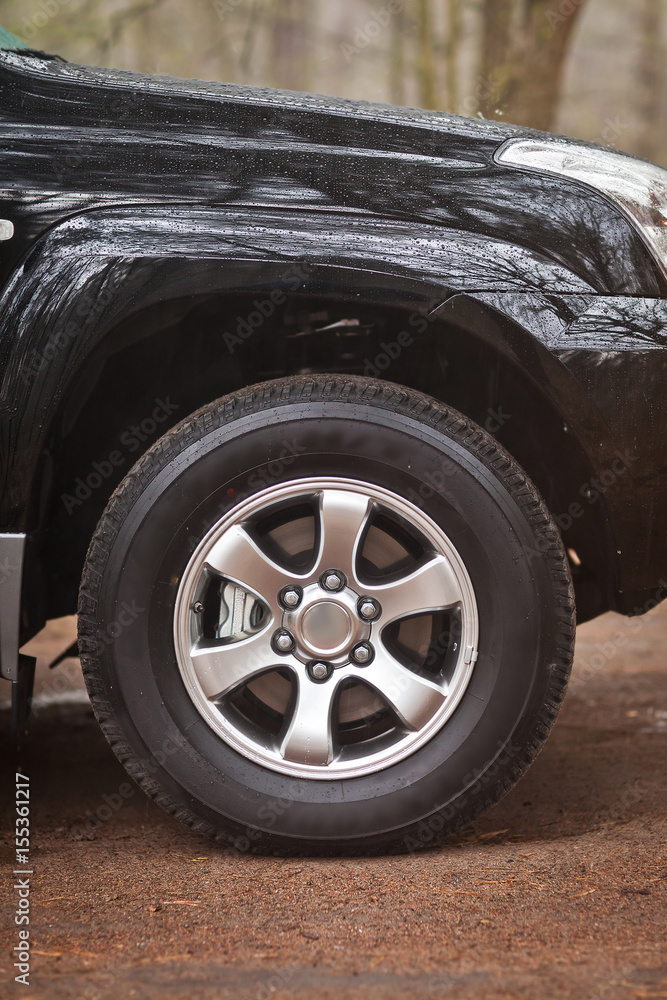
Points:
point(559, 891)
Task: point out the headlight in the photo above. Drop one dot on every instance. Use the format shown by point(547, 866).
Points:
point(637, 187)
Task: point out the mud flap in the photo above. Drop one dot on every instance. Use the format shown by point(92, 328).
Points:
point(22, 692)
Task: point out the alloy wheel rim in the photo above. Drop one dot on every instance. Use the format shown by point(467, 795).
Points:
point(306, 669)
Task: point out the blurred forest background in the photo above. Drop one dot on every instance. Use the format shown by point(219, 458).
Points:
point(595, 69)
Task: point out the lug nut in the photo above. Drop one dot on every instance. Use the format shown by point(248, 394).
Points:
point(332, 580)
point(319, 671)
point(290, 597)
point(283, 641)
point(363, 653)
point(368, 608)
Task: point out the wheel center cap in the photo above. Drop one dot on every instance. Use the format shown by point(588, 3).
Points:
point(326, 626)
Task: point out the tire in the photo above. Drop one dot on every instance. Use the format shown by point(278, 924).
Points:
point(339, 489)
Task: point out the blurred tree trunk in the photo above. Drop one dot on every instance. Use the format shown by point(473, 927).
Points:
point(650, 79)
point(289, 48)
point(425, 57)
point(397, 58)
point(499, 62)
point(524, 50)
point(252, 11)
point(547, 35)
point(452, 51)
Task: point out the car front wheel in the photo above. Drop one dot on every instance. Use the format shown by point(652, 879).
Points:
point(326, 613)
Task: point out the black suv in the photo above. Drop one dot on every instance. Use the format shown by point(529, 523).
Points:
point(327, 414)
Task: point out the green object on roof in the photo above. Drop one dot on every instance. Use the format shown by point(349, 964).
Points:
point(9, 41)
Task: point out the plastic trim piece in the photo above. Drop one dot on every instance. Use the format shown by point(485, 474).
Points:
point(11, 571)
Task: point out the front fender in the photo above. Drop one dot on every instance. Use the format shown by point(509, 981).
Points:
point(90, 273)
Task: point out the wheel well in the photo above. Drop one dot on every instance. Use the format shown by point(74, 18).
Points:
point(164, 363)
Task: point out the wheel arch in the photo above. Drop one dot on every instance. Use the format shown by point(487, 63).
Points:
point(463, 353)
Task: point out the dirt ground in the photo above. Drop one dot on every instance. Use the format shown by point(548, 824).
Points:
point(559, 891)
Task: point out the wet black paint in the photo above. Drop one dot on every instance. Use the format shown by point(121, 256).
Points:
point(127, 190)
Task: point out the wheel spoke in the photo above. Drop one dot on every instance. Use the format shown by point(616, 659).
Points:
point(222, 668)
point(432, 587)
point(343, 517)
point(309, 735)
point(238, 557)
point(414, 699)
